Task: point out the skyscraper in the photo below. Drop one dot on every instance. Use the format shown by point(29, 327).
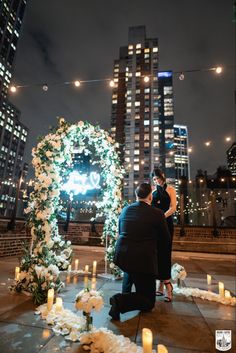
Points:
point(135, 120)
point(12, 132)
point(181, 155)
point(231, 158)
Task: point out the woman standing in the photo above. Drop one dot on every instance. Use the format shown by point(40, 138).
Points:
point(164, 198)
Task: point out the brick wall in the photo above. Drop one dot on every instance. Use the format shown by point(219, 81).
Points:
point(196, 239)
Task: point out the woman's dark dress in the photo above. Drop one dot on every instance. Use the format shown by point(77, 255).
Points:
point(161, 200)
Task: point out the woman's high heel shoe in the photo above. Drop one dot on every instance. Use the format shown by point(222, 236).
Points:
point(169, 288)
point(160, 291)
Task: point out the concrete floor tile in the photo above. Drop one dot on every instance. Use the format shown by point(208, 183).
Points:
point(177, 308)
point(177, 331)
point(213, 310)
point(20, 338)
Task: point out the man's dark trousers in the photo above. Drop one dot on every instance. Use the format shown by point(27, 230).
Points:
point(143, 299)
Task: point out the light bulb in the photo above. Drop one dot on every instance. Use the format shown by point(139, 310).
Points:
point(13, 89)
point(146, 79)
point(45, 87)
point(112, 83)
point(77, 83)
point(218, 69)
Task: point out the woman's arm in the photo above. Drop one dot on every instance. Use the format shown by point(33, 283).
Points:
point(172, 193)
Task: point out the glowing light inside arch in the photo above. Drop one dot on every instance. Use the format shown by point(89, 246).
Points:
point(81, 183)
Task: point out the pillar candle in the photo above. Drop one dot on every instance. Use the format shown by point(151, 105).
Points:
point(86, 269)
point(85, 281)
point(76, 264)
point(209, 280)
point(221, 289)
point(50, 299)
point(147, 340)
point(17, 273)
point(227, 294)
point(94, 267)
point(69, 268)
point(161, 348)
point(93, 285)
point(59, 305)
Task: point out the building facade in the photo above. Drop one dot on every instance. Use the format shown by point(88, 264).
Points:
point(231, 158)
point(181, 155)
point(13, 133)
point(138, 121)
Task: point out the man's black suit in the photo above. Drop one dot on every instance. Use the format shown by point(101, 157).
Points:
point(143, 233)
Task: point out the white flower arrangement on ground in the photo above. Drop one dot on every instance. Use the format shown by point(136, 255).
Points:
point(103, 340)
point(88, 300)
point(52, 160)
point(178, 272)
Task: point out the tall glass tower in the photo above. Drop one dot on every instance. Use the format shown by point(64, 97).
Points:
point(13, 133)
point(135, 120)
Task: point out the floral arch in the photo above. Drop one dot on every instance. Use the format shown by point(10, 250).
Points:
point(49, 252)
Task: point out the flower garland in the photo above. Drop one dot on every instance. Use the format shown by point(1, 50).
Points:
point(203, 294)
point(52, 160)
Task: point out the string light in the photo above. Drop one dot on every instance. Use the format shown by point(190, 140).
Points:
point(228, 139)
point(146, 79)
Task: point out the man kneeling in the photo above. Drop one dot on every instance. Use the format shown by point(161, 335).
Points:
point(143, 233)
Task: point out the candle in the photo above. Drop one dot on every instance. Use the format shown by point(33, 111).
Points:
point(69, 268)
point(17, 273)
point(76, 264)
point(94, 267)
point(86, 281)
point(147, 340)
point(221, 289)
point(86, 269)
point(93, 286)
point(59, 305)
point(50, 299)
point(227, 294)
point(161, 348)
point(208, 280)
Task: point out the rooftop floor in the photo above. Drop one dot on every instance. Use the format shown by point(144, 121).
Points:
point(186, 325)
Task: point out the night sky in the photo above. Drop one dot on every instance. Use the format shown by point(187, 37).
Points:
point(64, 40)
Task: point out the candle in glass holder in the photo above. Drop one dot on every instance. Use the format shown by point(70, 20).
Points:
point(227, 294)
point(50, 299)
point(221, 289)
point(208, 280)
point(86, 269)
point(76, 264)
point(147, 340)
point(69, 268)
point(17, 273)
point(93, 285)
point(59, 305)
point(94, 267)
point(161, 348)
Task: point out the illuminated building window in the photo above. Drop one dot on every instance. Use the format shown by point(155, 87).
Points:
point(146, 122)
point(136, 167)
point(146, 137)
point(155, 50)
point(136, 152)
point(138, 51)
point(137, 117)
point(136, 137)
point(138, 46)
point(138, 74)
point(128, 104)
point(137, 91)
point(156, 128)
point(146, 144)
point(155, 144)
point(130, 46)
point(131, 52)
point(146, 50)
point(137, 104)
